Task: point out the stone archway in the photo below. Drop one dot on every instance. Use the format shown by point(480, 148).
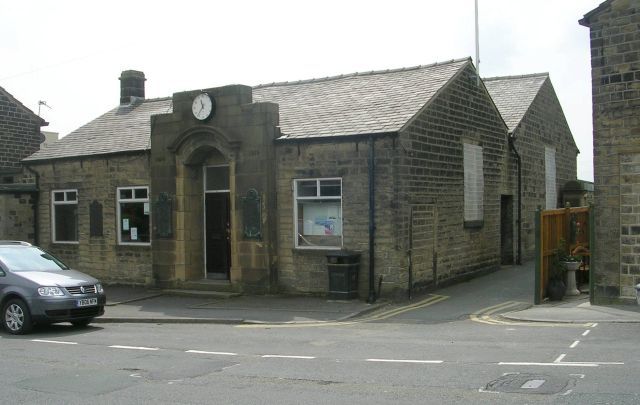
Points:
point(194, 150)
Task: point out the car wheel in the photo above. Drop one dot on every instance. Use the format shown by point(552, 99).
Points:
point(17, 319)
point(81, 323)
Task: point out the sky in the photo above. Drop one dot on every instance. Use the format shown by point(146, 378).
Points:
point(70, 53)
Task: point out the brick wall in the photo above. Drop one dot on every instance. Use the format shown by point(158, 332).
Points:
point(544, 125)
point(96, 179)
point(615, 64)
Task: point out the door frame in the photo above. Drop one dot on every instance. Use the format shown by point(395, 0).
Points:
point(204, 215)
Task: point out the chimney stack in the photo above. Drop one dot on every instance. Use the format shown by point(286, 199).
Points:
point(131, 86)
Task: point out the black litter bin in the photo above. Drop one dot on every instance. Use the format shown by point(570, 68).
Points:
point(343, 267)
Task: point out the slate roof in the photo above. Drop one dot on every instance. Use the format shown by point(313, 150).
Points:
point(123, 129)
point(352, 104)
point(513, 95)
point(358, 103)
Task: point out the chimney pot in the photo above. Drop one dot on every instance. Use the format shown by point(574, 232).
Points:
point(131, 85)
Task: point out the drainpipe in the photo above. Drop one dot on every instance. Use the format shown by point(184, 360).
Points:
point(36, 201)
point(372, 225)
point(519, 215)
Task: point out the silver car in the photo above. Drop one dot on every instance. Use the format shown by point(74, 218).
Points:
point(36, 287)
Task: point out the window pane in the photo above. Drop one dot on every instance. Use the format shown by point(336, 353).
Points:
point(217, 178)
point(58, 196)
point(72, 196)
point(66, 219)
point(126, 194)
point(134, 223)
point(141, 193)
point(330, 188)
point(319, 223)
point(307, 188)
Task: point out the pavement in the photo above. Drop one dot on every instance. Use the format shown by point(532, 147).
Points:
point(140, 305)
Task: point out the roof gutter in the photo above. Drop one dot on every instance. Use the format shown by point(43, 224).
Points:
point(338, 138)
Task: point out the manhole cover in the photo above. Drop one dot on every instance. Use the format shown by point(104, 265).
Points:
point(529, 383)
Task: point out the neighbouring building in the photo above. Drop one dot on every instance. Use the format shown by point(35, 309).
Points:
point(249, 188)
point(20, 136)
point(545, 149)
point(615, 78)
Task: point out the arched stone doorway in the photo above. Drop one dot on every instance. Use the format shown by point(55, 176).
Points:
point(205, 169)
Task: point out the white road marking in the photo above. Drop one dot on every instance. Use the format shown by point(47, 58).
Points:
point(567, 393)
point(548, 364)
point(406, 361)
point(217, 353)
point(586, 332)
point(594, 325)
point(574, 344)
point(280, 356)
point(559, 359)
point(134, 347)
point(60, 342)
point(581, 376)
point(564, 364)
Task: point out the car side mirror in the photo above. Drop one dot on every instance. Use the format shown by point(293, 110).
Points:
point(2, 274)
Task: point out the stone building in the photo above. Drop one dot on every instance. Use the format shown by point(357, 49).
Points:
point(20, 136)
point(615, 79)
point(541, 137)
point(249, 188)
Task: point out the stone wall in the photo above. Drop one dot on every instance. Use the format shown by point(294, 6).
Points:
point(419, 171)
point(430, 175)
point(615, 64)
point(16, 216)
point(19, 133)
point(305, 270)
point(544, 124)
point(96, 179)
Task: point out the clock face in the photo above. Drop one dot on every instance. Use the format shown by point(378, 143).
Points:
point(202, 106)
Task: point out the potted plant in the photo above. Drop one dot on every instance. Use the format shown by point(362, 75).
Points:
point(556, 287)
point(570, 263)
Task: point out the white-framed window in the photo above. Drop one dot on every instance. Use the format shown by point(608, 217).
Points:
point(64, 216)
point(318, 213)
point(473, 185)
point(551, 193)
point(134, 216)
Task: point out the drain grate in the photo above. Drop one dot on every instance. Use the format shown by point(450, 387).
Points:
point(524, 383)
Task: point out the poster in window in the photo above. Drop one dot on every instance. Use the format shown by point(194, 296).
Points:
point(146, 208)
point(134, 233)
point(322, 219)
point(125, 224)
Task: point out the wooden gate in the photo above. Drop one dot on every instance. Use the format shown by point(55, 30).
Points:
point(571, 225)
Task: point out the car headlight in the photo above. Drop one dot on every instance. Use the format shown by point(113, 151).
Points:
point(50, 291)
point(99, 288)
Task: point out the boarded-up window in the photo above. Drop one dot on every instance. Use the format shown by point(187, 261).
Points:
point(550, 178)
point(473, 183)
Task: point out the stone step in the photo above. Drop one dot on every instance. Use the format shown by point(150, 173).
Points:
point(207, 286)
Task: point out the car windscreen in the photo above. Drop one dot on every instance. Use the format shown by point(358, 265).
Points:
point(29, 259)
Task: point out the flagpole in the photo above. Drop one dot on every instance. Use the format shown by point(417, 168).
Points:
point(477, 46)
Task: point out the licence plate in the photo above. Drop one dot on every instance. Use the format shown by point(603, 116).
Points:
point(87, 302)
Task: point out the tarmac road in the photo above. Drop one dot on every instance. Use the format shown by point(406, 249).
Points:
point(429, 351)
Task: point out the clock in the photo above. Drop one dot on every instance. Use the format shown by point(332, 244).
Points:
point(203, 106)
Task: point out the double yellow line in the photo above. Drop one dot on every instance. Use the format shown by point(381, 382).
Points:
point(431, 300)
point(491, 316)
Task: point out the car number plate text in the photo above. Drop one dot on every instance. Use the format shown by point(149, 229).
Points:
point(87, 302)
